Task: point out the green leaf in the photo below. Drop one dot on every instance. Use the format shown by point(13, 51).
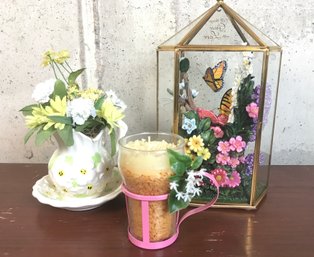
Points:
point(179, 168)
point(175, 178)
point(197, 162)
point(88, 123)
point(192, 115)
point(212, 137)
point(184, 64)
point(66, 135)
point(59, 89)
point(43, 135)
point(99, 103)
point(206, 135)
point(29, 134)
point(174, 204)
point(179, 162)
point(204, 125)
point(27, 110)
point(61, 119)
point(175, 156)
point(73, 75)
point(113, 142)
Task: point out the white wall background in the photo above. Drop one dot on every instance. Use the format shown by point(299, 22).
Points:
point(116, 40)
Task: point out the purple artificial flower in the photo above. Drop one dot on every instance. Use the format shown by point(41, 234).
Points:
point(249, 160)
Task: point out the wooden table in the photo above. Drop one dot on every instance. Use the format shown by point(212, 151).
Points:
point(282, 226)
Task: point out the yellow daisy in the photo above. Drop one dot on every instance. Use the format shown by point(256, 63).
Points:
point(91, 93)
point(205, 153)
point(62, 56)
point(37, 118)
point(47, 57)
point(196, 143)
point(110, 113)
point(57, 108)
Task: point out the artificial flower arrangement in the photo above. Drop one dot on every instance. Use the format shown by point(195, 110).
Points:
point(62, 106)
point(217, 143)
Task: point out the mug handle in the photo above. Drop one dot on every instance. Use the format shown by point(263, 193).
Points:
point(203, 207)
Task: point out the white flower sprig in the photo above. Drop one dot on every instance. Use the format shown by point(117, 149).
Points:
point(43, 90)
point(193, 181)
point(186, 181)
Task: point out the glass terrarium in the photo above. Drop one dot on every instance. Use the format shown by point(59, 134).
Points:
point(217, 87)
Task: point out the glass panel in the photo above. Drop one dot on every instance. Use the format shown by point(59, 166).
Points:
point(268, 121)
point(221, 87)
point(165, 90)
point(219, 30)
point(268, 41)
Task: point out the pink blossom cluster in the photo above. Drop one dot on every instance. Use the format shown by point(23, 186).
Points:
point(218, 132)
point(223, 180)
point(234, 145)
point(252, 110)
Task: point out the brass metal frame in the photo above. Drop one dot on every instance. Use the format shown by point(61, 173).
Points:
point(183, 45)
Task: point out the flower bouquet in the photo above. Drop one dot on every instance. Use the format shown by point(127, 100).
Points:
point(61, 106)
point(77, 118)
point(221, 140)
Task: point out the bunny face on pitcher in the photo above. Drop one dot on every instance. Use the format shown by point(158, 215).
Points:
point(85, 168)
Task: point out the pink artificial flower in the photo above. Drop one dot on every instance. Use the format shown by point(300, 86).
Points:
point(233, 162)
point(252, 110)
point(234, 180)
point(221, 119)
point(222, 158)
point(218, 132)
point(237, 144)
point(220, 176)
point(223, 147)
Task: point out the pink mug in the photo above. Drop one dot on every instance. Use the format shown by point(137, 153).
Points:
point(145, 242)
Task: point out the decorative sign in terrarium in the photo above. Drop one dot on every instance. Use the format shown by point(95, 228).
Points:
point(217, 87)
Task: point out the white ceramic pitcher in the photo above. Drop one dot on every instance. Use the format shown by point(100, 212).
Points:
point(83, 169)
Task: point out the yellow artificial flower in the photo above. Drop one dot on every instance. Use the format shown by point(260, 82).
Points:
point(110, 113)
point(91, 93)
point(40, 114)
point(62, 56)
point(57, 108)
point(47, 57)
point(37, 118)
point(196, 143)
point(73, 91)
point(204, 152)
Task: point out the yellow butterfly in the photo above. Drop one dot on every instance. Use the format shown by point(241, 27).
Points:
point(214, 76)
point(226, 102)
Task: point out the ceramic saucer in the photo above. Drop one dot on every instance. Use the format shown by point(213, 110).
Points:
point(44, 191)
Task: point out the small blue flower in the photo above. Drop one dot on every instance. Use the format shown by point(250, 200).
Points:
point(189, 125)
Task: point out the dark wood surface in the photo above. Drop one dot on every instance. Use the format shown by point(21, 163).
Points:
point(282, 226)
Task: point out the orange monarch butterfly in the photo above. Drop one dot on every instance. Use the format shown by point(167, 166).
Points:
point(226, 102)
point(214, 77)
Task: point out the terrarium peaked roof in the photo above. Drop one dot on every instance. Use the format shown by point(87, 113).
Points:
point(220, 26)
